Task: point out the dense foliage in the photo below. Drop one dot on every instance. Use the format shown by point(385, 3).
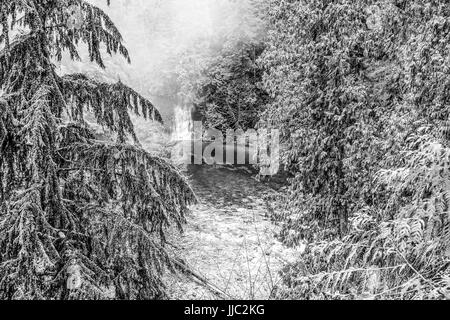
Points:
point(81, 216)
point(218, 74)
point(359, 89)
point(228, 95)
point(360, 92)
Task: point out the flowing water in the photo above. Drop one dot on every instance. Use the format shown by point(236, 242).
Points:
point(229, 239)
point(183, 123)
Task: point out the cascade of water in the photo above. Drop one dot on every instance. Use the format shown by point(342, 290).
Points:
point(183, 124)
point(182, 134)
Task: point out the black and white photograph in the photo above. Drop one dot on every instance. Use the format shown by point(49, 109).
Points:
point(224, 156)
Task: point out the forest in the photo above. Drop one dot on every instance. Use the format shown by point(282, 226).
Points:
point(93, 206)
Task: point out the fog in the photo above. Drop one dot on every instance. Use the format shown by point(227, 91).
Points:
point(157, 32)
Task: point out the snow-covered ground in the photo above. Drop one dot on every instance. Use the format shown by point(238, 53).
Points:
point(229, 239)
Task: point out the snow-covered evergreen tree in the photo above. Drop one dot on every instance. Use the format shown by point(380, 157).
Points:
point(81, 216)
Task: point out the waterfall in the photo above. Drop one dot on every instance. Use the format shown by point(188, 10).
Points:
point(183, 124)
point(181, 138)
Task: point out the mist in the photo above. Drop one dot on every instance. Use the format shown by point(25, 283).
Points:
point(157, 32)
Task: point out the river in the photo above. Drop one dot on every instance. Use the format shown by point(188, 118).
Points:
point(229, 240)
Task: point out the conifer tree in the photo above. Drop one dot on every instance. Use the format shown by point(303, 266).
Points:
point(80, 217)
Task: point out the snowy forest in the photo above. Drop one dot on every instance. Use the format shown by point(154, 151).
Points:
point(96, 97)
